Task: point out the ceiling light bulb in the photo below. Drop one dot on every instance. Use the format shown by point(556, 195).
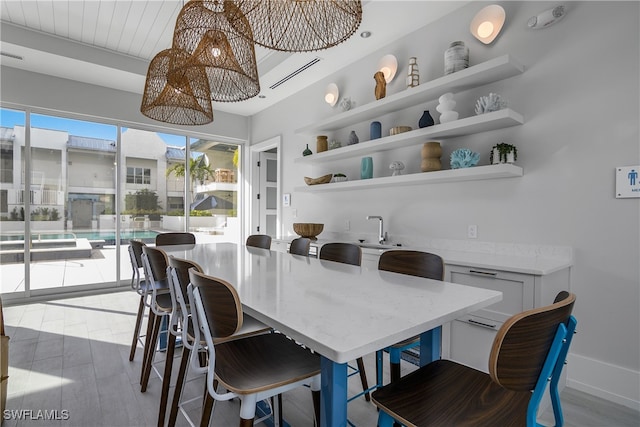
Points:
point(215, 52)
point(329, 98)
point(485, 29)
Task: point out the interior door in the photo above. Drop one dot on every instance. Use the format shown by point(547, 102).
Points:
point(268, 195)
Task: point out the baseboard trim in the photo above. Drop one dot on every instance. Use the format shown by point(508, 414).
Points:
point(604, 380)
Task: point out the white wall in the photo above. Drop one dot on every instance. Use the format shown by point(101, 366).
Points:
point(95, 102)
point(579, 96)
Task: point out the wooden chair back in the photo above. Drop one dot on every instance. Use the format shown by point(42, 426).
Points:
point(300, 246)
point(259, 241)
point(157, 263)
point(181, 268)
point(414, 263)
point(175, 238)
point(220, 302)
point(521, 345)
point(135, 255)
point(346, 253)
point(136, 250)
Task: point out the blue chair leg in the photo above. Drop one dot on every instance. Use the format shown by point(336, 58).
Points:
point(379, 367)
point(545, 375)
point(384, 419)
point(557, 372)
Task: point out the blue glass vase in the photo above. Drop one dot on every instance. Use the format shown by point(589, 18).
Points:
point(375, 130)
point(366, 168)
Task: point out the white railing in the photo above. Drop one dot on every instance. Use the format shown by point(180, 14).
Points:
point(37, 197)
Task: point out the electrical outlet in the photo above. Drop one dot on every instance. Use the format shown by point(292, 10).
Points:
point(472, 231)
point(347, 225)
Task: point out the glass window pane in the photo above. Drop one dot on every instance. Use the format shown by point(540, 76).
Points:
point(214, 190)
point(72, 190)
point(12, 205)
point(272, 198)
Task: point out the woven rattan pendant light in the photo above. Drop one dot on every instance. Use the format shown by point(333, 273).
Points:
point(183, 98)
point(299, 25)
point(203, 30)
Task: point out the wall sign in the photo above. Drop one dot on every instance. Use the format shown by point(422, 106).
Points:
point(627, 182)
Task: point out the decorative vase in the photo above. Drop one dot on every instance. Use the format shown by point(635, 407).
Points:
point(375, 130)
point(381, 85)
point(353, 138)
point(366, 168)
point(425, 120)
point(307, 152)
point(413, 74)
point(431, 152)
point(321, 143)
point(456, 58)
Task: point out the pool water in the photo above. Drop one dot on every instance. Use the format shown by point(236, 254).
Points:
point(108, 236)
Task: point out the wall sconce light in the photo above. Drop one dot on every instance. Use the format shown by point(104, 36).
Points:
point(487, 23)
point(388, 65)
point(331, 94)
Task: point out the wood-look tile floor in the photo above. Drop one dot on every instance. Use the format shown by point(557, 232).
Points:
point(70, 357)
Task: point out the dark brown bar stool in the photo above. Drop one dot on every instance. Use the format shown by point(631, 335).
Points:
point(266, 364)
point(259, 241)
point(347, 253)
point(413, 263)
point(527, 356)
point(181, 324)
point(300, 246)
point(175, 238)
point(155, 263)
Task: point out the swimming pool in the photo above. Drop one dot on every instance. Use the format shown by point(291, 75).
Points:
point(108, 236)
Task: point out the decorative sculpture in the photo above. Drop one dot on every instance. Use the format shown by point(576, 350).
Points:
point(381, 85)
point(487, 104)
point(396, 167)
point(464, 158)
point(445, 108)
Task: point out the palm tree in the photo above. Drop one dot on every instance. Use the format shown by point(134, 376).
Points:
point(199, 171)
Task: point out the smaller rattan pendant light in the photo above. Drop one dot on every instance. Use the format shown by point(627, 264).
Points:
point(298, 25)
point(183, 98)
point(229, 60)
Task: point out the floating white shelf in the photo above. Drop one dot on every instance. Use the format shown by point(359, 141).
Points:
point(490, 71)
point(450, 175)
point(467, 126)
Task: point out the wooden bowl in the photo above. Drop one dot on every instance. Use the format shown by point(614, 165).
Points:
point(321, 180)
point(307, 229)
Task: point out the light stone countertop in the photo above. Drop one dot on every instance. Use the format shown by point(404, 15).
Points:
point(519, 258)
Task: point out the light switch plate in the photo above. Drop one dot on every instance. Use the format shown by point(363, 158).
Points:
point(286, 199)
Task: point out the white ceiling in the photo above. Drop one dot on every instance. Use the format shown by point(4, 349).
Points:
point(110, 42)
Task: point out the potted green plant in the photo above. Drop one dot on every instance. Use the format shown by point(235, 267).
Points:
point(339, 177)
point(503, 153)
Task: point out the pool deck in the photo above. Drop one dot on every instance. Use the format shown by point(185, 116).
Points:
point(44, 250)
point(96, 269)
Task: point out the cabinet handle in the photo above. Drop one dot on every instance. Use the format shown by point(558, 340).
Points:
point(484, 325)
point(483, 273)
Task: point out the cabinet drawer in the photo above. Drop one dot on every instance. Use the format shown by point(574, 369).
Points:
point(471, 341)
point(517, 289)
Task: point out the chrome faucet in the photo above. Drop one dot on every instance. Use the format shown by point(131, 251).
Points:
point(382, 235)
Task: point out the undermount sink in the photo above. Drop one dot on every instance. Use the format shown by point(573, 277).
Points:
point(377, 246)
